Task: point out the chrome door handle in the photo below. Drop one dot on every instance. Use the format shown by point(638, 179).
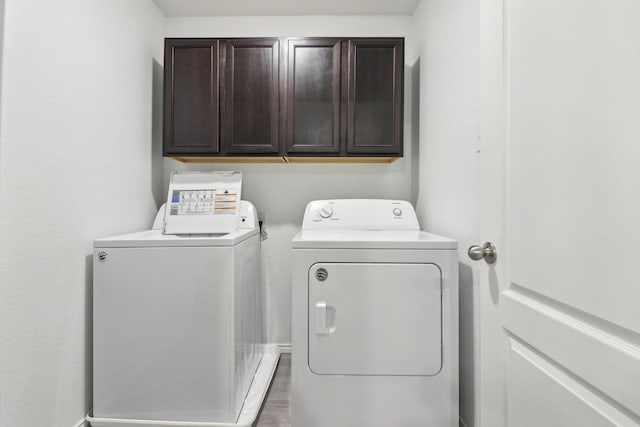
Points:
point(487, 251)
point(322, 318)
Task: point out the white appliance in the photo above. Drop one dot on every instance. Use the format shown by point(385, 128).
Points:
point(375, 318)
point(177, 317)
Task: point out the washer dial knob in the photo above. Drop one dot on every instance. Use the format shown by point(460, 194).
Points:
point(326, 211)
point(397, 211)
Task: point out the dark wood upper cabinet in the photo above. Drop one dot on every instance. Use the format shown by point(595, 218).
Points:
point(251, 96)
point(191, 97)
point(375, 100)
point(284, 97)
point(313, 96)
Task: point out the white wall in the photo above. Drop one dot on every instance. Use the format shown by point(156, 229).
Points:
point(75, 163)
point(281, 191)
point(447, 35)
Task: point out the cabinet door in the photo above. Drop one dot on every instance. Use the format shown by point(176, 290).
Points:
point(375, 102)
point(251, 96)
point(313, 96)
point(191, 91)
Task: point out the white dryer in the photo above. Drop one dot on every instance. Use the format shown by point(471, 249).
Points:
point(375, 318)
point(177, 314)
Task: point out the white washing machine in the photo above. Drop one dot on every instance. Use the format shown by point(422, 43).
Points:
point(375, 318)
point(177, 317)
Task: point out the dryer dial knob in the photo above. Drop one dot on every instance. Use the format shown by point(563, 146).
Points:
point(326, 211)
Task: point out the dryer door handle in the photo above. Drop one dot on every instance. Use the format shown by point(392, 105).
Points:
point(322, 319)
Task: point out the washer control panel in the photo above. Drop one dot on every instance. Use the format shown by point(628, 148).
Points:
point(360, 214)
point(203, 202)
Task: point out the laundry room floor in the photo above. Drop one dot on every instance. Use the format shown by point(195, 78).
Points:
point(276, 411)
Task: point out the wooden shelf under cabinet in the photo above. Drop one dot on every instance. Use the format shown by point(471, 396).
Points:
point(227, 159)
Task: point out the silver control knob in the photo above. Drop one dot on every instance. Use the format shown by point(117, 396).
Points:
point(326, 211)
point(397, 211)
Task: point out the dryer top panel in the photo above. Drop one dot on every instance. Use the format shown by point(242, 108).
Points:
point(366, 224)
point(371, 239)
point(360, 214)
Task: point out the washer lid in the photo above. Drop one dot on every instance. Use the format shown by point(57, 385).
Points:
point(370, 239)
point(155, 238)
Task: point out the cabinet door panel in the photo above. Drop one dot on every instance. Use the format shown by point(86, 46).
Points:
point(191, 97)
point(374, 114)
point(313, 96)
point(251, 97)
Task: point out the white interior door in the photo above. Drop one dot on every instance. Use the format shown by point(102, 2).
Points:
point(560, 310)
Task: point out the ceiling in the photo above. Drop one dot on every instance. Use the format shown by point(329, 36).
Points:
point(183, 8)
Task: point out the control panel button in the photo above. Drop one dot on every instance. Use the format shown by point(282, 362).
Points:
point(397, 211)
point(326, 211)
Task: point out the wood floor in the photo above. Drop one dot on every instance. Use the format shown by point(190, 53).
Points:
point(276, 410)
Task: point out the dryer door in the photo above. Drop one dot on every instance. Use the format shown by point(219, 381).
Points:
point(375, 319)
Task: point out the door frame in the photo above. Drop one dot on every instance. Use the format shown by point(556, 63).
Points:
point(491, 339)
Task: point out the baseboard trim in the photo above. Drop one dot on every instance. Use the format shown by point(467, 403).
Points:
point(284, 348)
